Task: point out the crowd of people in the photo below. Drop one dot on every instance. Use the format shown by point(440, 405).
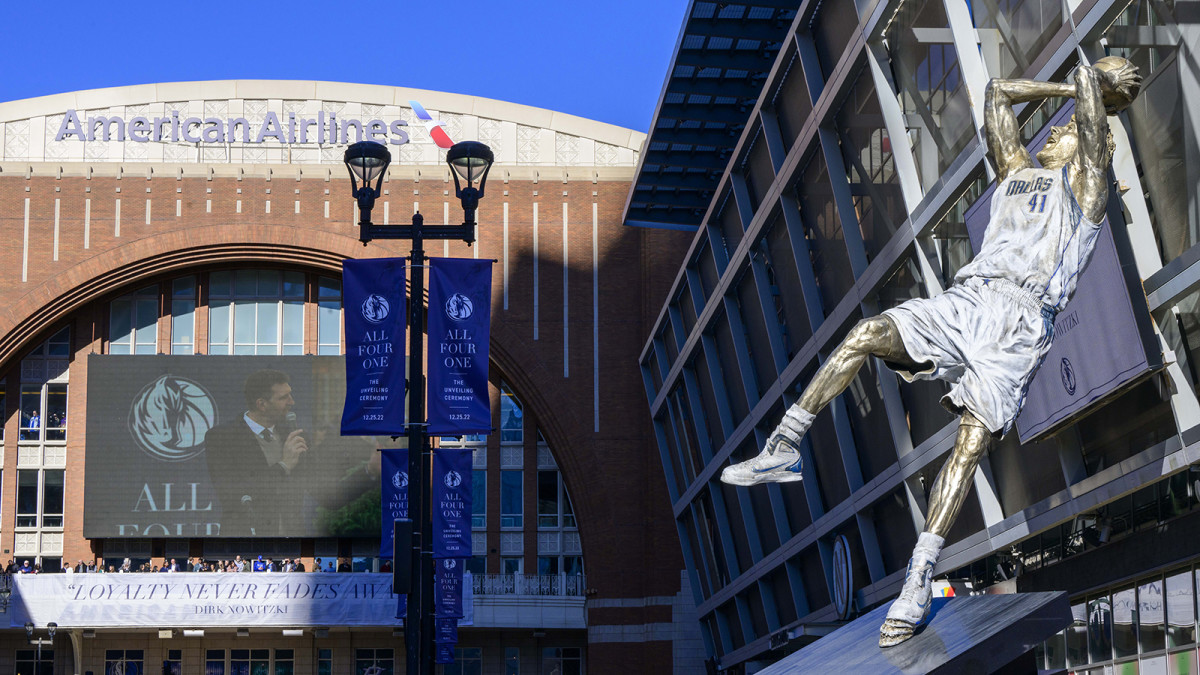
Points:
point(197, 564)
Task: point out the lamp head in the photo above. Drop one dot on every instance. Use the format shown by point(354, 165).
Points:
point(367, 161)
point(471, 161)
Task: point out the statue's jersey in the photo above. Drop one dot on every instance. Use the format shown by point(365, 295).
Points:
point(1037, 237)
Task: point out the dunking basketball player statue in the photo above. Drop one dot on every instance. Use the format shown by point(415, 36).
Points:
point(988, 333)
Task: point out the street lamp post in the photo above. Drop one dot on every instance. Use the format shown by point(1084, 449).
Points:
point(51, 629)
point(367, 162)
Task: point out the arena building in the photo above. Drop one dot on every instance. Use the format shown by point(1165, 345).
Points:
point(827, 157)
point(199, 229)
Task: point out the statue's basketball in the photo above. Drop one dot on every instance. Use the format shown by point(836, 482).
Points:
point(1129, 83)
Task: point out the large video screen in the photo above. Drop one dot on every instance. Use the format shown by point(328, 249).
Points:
point(225, 446)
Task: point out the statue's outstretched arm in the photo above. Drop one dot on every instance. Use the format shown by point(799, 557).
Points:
point(1000, 122)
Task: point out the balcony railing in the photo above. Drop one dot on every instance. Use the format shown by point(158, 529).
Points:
point(528, 584)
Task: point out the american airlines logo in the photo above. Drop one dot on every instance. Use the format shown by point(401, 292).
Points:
point(293, 128)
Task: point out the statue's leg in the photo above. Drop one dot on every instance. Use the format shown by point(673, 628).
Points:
point(876, 336)
point(949, 491)
point(779, 460)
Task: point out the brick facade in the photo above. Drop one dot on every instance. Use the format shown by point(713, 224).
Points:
point(93, 233)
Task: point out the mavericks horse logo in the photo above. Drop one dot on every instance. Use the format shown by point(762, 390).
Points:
point(170, 417)
point(459, 307)
point(1068, 376)
point(375, 308)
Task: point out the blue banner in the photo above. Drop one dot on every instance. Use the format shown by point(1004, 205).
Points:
point(460, 311)
point(447, 592)
point(445, 631)
point(444, 654)
point(452, 503)
point(374, 302)
point(394, 469)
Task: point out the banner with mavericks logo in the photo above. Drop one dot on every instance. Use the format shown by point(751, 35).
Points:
point(452, 503)
point(374, 302)
point(448, 589)
point(460, 311)
point(394, 465)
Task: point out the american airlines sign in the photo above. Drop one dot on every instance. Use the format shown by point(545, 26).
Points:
point(174, 127)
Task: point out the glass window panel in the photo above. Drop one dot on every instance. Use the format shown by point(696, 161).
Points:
point(511, 500)
point(245, 284)
point(1124, 623)
point(512, 661)
point(547, 565)
point(244, 322)
point(547, 499)
point(268, 322)
point(293, 323)
point(568, 510)
point(183, 315)
point(293, 285)
point(56, 412)
point(1182, 663)
point(822, 227)
point(511, 417)
point(120, 322)
point(1100, 629)
point(27, 497)
point(1013, 32)
point(1077, 636)
point(925, 69)
point(1181, 610)
point(329, 289)
point(146, 335)
point(59, 344)
point(218, 327)
point(479, 499)
point(218, 284)
point(1151, 618)
point(870, 166)
point(268, 283)
point(792, 102)
point(31, 412)
point(52, 498)
point(329, 324)
point(832, 25)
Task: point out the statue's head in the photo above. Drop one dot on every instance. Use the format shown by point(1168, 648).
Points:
point(1063, 145)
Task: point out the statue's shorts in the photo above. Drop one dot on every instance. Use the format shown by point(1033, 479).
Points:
point(986, 337)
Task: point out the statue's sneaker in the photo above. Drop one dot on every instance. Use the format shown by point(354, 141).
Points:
point(911, 608)
point(778, 464)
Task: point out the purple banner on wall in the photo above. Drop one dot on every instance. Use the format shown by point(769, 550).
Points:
point(452, 503)
point(374, 302)
point(444, 654)
point(448, 589)
point(445, 631)
point(394, 479)
point(460, 311)
point(1080, 370)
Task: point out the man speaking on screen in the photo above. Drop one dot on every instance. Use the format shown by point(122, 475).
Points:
point(254, 460)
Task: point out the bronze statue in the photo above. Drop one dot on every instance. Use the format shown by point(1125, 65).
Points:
point(988, 333)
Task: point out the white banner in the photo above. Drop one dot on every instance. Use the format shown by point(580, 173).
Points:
point(186, 600)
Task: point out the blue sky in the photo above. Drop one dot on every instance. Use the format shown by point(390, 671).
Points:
point(601, 60)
